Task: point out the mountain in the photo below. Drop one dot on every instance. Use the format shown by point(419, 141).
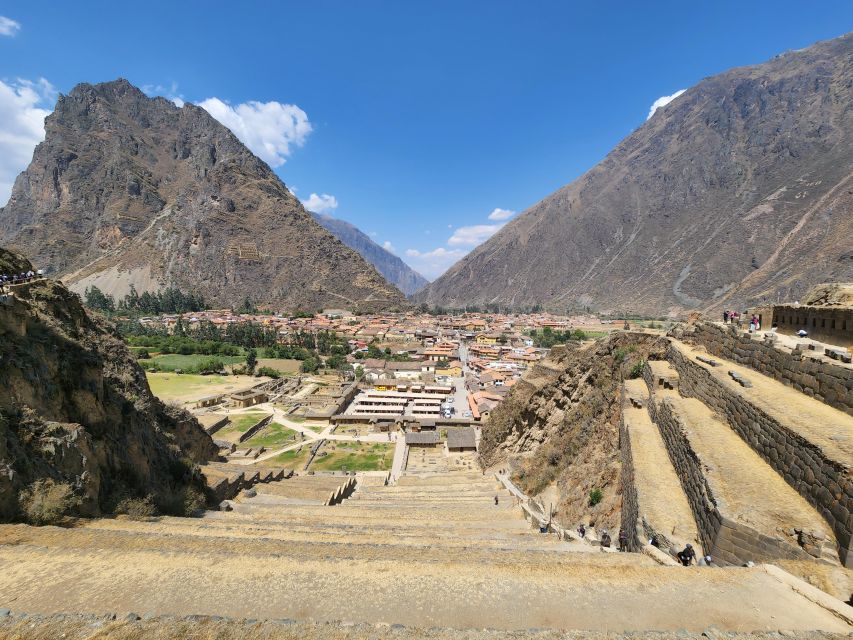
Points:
point(738, 191)
point(128, 189)
point(76, 409)
point(390, 266)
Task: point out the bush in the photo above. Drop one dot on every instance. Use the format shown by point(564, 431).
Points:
point(137, 508)
point(637, 369)
point(268, 372)
point(595, 497)
point(47, 502)
point(211, 365)
point(184, 503)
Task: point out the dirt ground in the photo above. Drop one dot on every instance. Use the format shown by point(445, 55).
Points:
point(189, 388)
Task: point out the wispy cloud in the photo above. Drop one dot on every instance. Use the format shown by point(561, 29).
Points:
point(270, 129)
point(169, 92)
point(663, 101)
point(432, 264)
point(388, 246)
point(473, 235)
point(501, 214)
point(22, 114)
point(9, 27)
point(323, 203)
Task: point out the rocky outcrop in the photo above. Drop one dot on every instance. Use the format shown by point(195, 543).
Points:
point(559, 426)
point(131, 190)
point(738, 191)
point(392, 268)
point(75, 407)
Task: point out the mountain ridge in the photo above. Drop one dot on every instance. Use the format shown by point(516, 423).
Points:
point(127, 189)
point(736, 192)
point(391, 267)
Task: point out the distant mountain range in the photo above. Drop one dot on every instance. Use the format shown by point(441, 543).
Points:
point(393, 268)
point(738, 191)
point(131, 190)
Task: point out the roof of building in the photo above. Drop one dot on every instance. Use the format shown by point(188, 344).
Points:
point(422, 437)
point(461, 438)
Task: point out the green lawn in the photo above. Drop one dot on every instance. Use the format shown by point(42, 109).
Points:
point(172, 361)
point(294, 459)
point(240, 424)
point(274, 434)
point(354, 456)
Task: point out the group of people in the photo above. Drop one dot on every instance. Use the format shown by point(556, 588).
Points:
point(686, 556)
point(19, 278)
point(735, 317)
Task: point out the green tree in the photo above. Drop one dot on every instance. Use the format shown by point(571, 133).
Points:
point(94, 298)
point(251, 360)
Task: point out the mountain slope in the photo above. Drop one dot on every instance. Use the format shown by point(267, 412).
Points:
point(738, 191)
point(128, 189)
point(390, 266)
point(75, 408)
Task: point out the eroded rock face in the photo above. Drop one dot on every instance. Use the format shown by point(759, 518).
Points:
point(559, 426)
point(128, 189)
point(76, 407)
point(739, 191)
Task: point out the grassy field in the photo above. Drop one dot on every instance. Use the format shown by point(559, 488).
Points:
point(273, 435)
point(354, 456)
point(172, 361)
point(240, 424)
point(190, 387)
point(295, 459)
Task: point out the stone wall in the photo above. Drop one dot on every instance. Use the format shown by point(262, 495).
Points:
point(824, 482)
point(826, 382)
point(833, 324)
point(630, 508)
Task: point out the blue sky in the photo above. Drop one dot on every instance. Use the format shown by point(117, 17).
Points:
point(419, 119)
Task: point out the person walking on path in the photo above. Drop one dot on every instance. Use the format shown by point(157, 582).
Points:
point(496, 501)
point(582, 531)
point(687, 555)
point(623, 540)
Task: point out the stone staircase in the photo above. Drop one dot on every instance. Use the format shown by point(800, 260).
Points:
point(433, 550)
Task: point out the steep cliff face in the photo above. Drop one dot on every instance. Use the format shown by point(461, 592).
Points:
point(738, 191)
point(128, 189)
point(392, 268)
point(76, 408)
point(558, 430)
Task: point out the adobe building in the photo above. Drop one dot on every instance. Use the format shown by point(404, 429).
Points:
point(826, 314)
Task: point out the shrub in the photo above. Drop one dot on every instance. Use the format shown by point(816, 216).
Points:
point(595, 497)
point(637, 369)
point(211, 365)
point(268, 372)
point(47, 502)
point(184, 502)
point(137, 508)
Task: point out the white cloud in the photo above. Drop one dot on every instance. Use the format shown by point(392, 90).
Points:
point(22, 115)
point(432, 264)
point(501, 214)
point(373, 234)
point(170, 92)
point(473, 235)
point(663, 101)
point(388, 246)
point(269, 129)
point(323, 203)
point(9, 27)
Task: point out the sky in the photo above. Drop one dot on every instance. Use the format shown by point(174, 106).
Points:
point(428, 125)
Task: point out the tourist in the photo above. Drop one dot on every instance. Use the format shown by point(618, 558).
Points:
point(496, 501)
point(687, 556)
point(623, 540)
point(706, 561)
point(654, 541)
point(605, 539)
point(725, 317)
point(802, 333)
point(582, 531)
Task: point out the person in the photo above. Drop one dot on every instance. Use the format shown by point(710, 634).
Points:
point(725, 317)
point(605, 539)
point(687, 555)
point(582, 531)
point(706, 561)
point(496, 501)
point(802, 333)
point(623, 540)
point(654, 541)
